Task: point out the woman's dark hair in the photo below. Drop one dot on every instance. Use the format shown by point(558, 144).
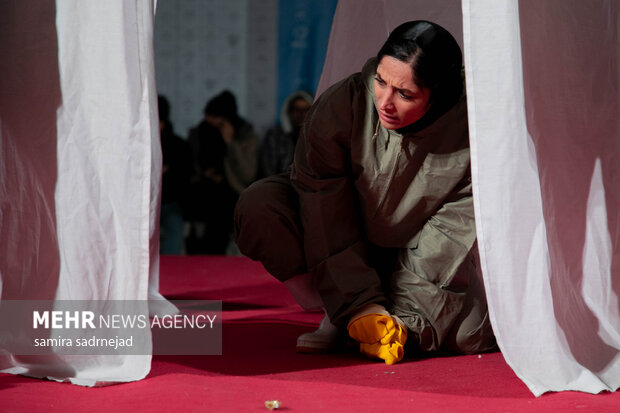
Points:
point(224, 105)
point(435, 59)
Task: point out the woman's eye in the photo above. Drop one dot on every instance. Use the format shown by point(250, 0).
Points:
point(379, 81)
point(405, 96)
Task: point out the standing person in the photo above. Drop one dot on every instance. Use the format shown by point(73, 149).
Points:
point(375, 222)
point(211, 199)
point(241, 158)
point(176, 175)
point(225, 148)
point(278, 146)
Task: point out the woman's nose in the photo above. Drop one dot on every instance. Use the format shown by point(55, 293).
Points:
point(385, 101)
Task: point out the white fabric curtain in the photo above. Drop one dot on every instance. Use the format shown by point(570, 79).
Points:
point(80, 165)
point(543, 82)
point(543, 85)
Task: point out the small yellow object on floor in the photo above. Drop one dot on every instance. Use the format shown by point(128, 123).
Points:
point(379, 336)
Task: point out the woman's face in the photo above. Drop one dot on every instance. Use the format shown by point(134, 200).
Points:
point(297, 111)
point(400, 102)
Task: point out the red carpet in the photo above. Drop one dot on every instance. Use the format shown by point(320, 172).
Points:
point(259, 363)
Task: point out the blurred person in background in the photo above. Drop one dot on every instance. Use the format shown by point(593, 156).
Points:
point(278, 145)
point(226, 161)
point(176, 174)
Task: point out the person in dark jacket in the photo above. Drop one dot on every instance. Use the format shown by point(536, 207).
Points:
point(278, 145)
point(225, 158)
point(176, 174)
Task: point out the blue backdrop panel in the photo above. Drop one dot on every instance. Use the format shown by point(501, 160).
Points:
point(303, 34)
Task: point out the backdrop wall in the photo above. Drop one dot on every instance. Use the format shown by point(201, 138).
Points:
point(261, 50)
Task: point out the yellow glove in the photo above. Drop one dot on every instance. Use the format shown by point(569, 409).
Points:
point(379, 336)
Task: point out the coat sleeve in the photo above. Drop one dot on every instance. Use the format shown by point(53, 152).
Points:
point(430, 283)
point(333, 236)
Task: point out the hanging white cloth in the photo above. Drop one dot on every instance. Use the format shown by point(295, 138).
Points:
point(80, 166)
point(543, 87)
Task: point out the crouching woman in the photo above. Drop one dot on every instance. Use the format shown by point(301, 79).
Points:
point(374, 223)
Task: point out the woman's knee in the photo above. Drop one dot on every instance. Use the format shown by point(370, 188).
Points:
point(267, 226)
point(250, 205)
point(253, 212)
point(266, 202)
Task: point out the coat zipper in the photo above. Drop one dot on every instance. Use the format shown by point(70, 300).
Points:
point(393, 171)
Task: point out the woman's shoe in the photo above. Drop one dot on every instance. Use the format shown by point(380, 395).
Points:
point(323, 340)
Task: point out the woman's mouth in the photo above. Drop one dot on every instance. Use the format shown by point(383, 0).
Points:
point(387, 118)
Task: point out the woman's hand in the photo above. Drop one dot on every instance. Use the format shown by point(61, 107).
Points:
point(227, 131)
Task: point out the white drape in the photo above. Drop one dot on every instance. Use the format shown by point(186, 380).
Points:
point(80, 168)
point(543, 85)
